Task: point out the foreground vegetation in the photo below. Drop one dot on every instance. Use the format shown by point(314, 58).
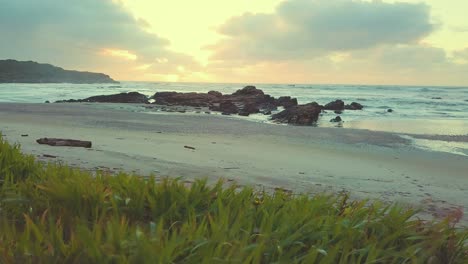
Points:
point(55, 214)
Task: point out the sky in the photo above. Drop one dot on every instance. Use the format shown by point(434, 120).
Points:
point(406, 42)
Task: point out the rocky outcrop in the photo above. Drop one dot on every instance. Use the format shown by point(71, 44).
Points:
point(337, 105)
point(249, 91)
point(226, 107)
point(131, 97)
point(304, 115)
point(286, 101)
point(215, 93)
point(249, 109)
point(245, 101)
point(186, 99)
point(354, 106)
point(12, 71)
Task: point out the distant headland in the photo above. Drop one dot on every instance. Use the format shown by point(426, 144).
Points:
point(12, 71)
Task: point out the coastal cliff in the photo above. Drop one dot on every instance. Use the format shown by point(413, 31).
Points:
point(12, 71)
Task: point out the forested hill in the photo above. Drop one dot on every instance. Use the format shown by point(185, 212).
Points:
point(12, 71)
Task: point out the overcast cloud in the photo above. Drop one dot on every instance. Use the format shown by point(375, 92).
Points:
point(73, 34)
point(302, 29)
point(345, 41)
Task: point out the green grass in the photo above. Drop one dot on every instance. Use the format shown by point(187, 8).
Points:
point(55, 214)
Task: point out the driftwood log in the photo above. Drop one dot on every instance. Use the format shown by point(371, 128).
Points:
point(64, 142)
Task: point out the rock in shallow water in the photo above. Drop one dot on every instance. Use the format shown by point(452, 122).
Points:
point(286, 101)
point(131, 97)
point(354, 106)
point(335, 105)
point(336, 119)
point(306, 114)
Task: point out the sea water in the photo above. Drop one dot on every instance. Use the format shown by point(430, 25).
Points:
point(426, 110)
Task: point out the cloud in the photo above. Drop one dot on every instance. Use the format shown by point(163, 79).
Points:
point(304, 29)
point(459, 29)
point(461, 56)
point(82, 34)
point(411, 64)
point(409, 57)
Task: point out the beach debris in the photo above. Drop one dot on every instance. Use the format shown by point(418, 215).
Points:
point(354, 106)
point(64, 142)
point(232, 168)
point(337, 105)
point(25, 135)
point(306, 114)
point(189, 147)
point(49, 156)
point(336, 119)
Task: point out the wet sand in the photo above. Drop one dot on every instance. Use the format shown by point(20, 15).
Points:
point(375, 165)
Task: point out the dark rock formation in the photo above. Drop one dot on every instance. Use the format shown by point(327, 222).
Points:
point(286, 101)
point(390, 110)
point(215, 93)
point(12, 71)
point(249, 109)
point(249, 91)
point(186, 99)
point(131, 97)
point(335, 105)
point(306, 114)
point(336, 119)
point(248, 100)
point(226, 107)
point(354, 106)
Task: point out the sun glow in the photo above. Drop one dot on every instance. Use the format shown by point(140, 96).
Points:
point(124, 54)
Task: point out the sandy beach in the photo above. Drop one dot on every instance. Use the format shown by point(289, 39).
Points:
point(374, 165)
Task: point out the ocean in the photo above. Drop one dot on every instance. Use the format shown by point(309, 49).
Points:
point(422, 110)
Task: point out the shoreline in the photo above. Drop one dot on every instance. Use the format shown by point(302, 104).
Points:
point(375, 165)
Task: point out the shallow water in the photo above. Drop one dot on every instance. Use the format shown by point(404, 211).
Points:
point(417, 110)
